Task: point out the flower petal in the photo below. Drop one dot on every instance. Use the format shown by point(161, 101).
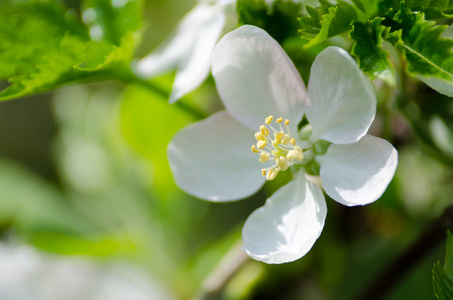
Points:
point(211, 159)
point(255, 78)
point(193, 70)
point(358, 173)
point(343, 101)
point(287, 226)
point(189, 50)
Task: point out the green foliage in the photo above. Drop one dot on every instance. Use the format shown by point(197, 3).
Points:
point(328, 20)
point(279, 20)
point(443, 275)
point(367, 48)
point(44, 45)
point(427, 54)
point(433, 9)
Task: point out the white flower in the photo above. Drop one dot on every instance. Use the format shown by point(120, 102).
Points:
point(189, 51)
point(256, 79)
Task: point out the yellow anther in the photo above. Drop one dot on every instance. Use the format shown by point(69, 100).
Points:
point(278, 136)
point(263, 172)
point(271, 174)
point(254, 150)
point(286, 122)
point(295, 154)
point(279, 120)
point(261, 144)
point(269, 119)
point(282, 163)
point(260, 137)
point(264, 157)
point(264, 130)
point(286, 139)
point(293, 141)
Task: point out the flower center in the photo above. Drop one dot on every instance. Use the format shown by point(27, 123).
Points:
point(282, 148)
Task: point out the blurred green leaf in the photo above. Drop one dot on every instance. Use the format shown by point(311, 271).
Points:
point(33, 205)
point(373, 59)
point(148, 124)
point(433, 9)
point(279, 20)
point(44, 45)
point(428, 55)
point(443, 275)
point(328, 20)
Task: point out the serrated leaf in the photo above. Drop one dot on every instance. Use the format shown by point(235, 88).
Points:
point(443, 275)
point(367, 48)
point(428, 55)
point(279, 20)
point(327, 21)
point(44, 45)
point(433, 9)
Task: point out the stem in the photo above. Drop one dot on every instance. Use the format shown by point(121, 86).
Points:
point(129, 77)
point(215, 283)
point(421, 247)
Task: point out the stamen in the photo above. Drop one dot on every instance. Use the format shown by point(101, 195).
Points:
point(261, 144)
point(295, 154)
point(286, 139)
point(280, 147)
point(264, 156)
point(278, 136)
point(282, 163)
point(271, 174)
point(269, 119)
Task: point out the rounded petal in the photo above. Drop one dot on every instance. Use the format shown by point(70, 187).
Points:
point(189, 51)
point(287, 226)
point(212, 160)
point(343, 100)
point(255, 78)
point(194, 69)
point(358, 173)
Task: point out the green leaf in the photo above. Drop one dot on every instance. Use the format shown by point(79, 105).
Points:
point(428, 55)
point(443, 275)
point(44, 45)
point(433, 9)
point(367, 48)
point(327, 21)
point(279, 20)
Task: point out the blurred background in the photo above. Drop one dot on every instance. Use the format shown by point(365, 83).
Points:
point(89, 209)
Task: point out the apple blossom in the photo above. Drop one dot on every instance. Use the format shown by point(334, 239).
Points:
point(256, 80)
point(189, 50)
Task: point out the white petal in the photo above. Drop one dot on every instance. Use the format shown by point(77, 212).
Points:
point(255, 78)
point(288, 225)
point(343, 101)
point(193, 70)
point(212, 160)
point(358, 173)
point(189, 51)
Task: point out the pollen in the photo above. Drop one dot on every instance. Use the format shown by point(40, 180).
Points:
point(268, 120)
point(275, 144)
point(264, 130)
